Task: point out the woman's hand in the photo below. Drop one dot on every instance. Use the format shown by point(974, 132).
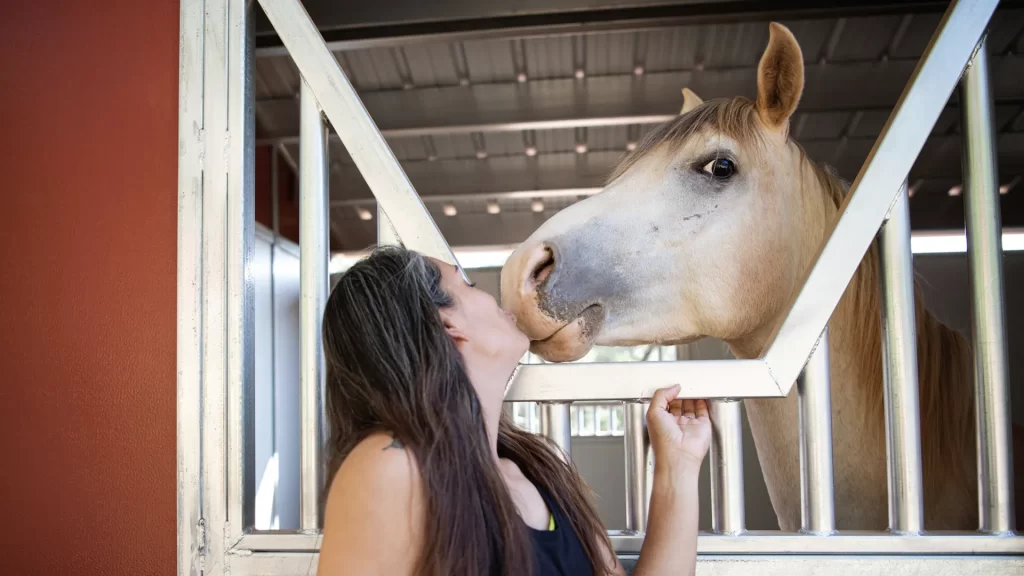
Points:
point(680, 430)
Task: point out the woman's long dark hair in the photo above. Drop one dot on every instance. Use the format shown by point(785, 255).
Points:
point(391, 366)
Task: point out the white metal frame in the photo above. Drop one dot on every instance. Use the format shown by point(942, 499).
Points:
point(215, 320)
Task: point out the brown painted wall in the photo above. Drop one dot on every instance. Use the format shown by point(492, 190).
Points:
point(87, 287)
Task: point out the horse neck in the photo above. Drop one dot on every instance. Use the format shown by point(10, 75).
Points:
point(857, 399)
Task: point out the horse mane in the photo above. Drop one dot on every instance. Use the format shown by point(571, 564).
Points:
point(945, 378)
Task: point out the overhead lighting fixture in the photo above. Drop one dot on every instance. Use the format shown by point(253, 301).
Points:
point(638, 70)
point(449, 210)
point(493, 208)
point(956, 190)
point(521, 77)
point(630, 146)
point(431, 158)
point(581, 148)
point(914, 187)
point(407, 86)
point(1005, 188)
point(580, 74)
point(464, 81)
point(537, 205)
point(481, 154)
point(531, 151)
point(364, 214)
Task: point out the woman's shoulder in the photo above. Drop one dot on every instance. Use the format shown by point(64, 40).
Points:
point(376, 490)
point(378, 462)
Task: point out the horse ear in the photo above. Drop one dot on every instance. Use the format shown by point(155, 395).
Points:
point(780, 77)
point(690, 101)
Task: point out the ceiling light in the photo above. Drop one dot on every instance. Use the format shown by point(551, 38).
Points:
point(1004, 189)
point(521, 77)
point(464, 81)
point(431, 158)
point(638, 71)
point(537, 206)
point(481, 154)
point(449, 210)
point(493, 208)
point(407, 86)
point(580, 74)
point(630, 146)
point(955, 190)
point(530, 151)
point(581, 148)
point(364, 214)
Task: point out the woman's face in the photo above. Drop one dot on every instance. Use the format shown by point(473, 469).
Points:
point(486, 334)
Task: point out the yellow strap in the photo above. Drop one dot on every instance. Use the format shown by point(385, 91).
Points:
point(551, 523)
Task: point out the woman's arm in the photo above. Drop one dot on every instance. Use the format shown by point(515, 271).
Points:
point(680, 434)
point(375, 513)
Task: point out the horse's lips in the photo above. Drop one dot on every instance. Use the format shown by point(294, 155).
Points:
point(573, 340)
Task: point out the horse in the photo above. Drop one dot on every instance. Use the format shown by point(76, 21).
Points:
point(706, 230)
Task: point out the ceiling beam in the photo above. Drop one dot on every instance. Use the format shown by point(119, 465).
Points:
point(360, 25)
point(652, 98)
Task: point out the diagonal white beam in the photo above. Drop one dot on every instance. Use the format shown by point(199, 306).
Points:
point(358, 133)
point(875, 189)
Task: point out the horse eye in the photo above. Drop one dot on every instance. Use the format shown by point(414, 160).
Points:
point(720, 168)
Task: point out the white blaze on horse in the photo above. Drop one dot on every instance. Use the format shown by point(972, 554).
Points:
point(706, 229)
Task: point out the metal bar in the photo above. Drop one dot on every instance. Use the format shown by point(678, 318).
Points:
point(325, 79)
point(860, 543)
point(241, 288)
point(555, 424)
point(636, 467)
point(814, 398)
point(984, 257)
point(727, 511)
point(726, 565)
point(386, 235)
point(510, 195)
point(217, 67)
point(191, 102)
point(626, 381)
point(899, 369)
point(474, 25)
point(313, 288)
point(871, 194)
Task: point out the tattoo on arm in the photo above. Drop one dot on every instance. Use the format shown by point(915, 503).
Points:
point(395, 443)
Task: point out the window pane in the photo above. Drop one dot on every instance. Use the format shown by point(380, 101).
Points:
point(604, 420)
point(587, 426)
point(574, 424)
point(617, 420)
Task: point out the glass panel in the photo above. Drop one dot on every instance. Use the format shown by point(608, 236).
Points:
point(587, 425)
point(604, 420)
point(574, 425)
point(618, 421)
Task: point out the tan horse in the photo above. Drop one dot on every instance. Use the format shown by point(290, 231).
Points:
point(706, 229)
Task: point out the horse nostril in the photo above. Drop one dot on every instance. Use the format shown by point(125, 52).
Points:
point(543, 268)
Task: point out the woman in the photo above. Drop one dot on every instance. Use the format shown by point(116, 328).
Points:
point(428, 476)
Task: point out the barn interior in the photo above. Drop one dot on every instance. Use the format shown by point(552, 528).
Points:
point(503, 115)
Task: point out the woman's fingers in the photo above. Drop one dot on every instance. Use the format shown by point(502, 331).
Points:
point(702, 409)
point(675, 407)
point(688, 408)
point(662, 397)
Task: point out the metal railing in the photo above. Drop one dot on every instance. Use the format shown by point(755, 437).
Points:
point(215, 483)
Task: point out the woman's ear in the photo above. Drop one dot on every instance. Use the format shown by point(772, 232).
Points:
point(452, 326)
point(780, 78)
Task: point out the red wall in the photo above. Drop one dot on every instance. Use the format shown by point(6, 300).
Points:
point(87, 286)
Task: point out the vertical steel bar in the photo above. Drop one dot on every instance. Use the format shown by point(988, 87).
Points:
point(313, 286)
point(555, 424)
point(636, 467)
point(241, 288)
point(984, 256)
point(727, 511)
point(189, 289)
point(899, 368)
point(814, 389)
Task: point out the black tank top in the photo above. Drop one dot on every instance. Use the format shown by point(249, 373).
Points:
point(558, 552)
